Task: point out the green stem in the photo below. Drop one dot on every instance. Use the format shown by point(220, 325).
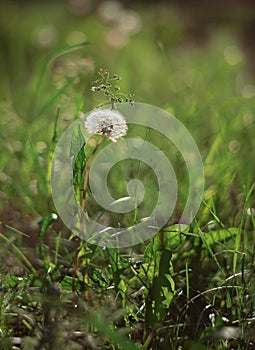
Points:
point(83, 204)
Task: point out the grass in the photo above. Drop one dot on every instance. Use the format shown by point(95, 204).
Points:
point(180, 290)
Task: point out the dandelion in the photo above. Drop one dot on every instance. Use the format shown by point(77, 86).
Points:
point(106, 122)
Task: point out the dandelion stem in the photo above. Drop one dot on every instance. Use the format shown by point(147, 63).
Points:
point(83, 204)
point(86, 177)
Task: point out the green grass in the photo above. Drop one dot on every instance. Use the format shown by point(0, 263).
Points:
point(179, 290)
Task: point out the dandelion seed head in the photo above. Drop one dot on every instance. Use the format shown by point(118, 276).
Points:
point(107, 122)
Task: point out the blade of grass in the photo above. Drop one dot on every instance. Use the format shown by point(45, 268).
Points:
point(207, 246)
point(52, 56)
point(38, 167)
point(53, 144)
point(52, 99)
point(237, 246)
point(239, 232)
point(14, 230)
point(187, 279)
point(136, 218)
point(57, 248)
point(23, 259)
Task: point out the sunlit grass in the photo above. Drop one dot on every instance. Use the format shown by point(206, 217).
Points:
point(185, 289)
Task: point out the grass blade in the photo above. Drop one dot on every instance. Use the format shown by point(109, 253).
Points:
point(20, 255)
point(52, 56)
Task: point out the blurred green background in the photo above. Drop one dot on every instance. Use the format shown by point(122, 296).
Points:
point(193, 58)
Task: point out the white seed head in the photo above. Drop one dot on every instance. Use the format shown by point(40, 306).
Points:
point(106, 121)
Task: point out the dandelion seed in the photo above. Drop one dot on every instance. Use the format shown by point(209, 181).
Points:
point(106, 122)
